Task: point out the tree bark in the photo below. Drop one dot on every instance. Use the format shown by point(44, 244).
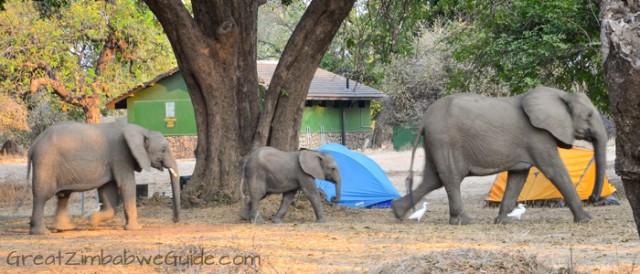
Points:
point(620, 36)
point(216, 53)
point(204, 46)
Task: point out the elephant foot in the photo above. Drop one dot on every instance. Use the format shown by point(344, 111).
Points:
point(462, 219)
point(244, 215)
point(132, 227)
point(398, 211)
point(276, 220)
point(257, 220)
point(39, 230)
point(94, 222)
point(321, 220)
point(584, 218)
point(503, 220)
point(63, 225)
point(99, 216)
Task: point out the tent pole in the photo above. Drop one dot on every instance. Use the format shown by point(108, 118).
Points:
point(344, 130)
point(585, 170)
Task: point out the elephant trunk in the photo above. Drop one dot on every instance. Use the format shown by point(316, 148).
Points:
point(600, 151)
point(172, 166)
point(336, 199)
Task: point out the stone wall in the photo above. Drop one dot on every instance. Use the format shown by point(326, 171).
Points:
point(183, 147)
point(355, 140)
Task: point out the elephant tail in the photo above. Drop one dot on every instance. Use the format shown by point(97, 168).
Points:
point(28, 165)
point(242, 195)
point(409, 180)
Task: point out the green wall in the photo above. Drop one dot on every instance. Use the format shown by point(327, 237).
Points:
point(357, 119)
point(148, 108)
point(404, 136)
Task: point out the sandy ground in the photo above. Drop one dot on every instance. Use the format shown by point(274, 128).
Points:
point(353, 240)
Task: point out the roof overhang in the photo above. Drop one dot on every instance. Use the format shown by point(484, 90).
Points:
point(325, 85)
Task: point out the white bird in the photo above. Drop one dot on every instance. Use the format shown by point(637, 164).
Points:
point(517, 212)
point(88, 214)
point(417, 215)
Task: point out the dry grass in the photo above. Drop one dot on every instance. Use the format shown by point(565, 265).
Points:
point(15, 195)
point(353, 241)
point(12, 159)
point(467, 261)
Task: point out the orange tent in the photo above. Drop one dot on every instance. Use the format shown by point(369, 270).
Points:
point(581, 166)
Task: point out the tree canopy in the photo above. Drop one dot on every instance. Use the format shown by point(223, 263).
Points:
point(528, 43)
point(82, 51)
point(375, 32)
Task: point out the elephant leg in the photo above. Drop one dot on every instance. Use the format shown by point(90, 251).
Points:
point(457, 214)
point(515, 182)
point(287, 199)
point(37, 226)
point(555, 170)
point(127, 188)
point(63, 222)
point(430, 182)
point(254, 213)
point(109, 198)
point(256, 195)
point(311, 191)
point(244, 213)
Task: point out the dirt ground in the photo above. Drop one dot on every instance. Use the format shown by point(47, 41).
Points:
point(352, 241)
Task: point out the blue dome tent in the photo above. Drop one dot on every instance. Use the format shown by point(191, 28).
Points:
point(364, 184)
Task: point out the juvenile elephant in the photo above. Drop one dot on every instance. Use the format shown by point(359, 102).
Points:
point(268, 170)
point(473, 135)
point(71, 157)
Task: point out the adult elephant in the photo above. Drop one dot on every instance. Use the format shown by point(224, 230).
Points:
point(473, 135)
point(71, 157)
point(268, 170)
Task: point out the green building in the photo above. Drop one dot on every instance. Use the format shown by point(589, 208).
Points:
point(337, 110)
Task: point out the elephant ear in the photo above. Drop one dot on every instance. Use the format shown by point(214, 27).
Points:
point(311, 164)
point(547, 109)
point(137, 141)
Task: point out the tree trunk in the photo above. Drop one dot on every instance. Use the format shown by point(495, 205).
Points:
point(279, 124)
point(216, 53)
point(205, 47)
point(620, 35)
point(91, 107)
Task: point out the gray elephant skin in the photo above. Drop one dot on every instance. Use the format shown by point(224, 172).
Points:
point(268, 170)
point(71, 157)
point(472, 135)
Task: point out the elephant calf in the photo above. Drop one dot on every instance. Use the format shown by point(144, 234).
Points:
point(268, 170)
point(72, 157)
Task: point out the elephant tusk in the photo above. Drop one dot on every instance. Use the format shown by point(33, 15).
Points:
point(173, 172)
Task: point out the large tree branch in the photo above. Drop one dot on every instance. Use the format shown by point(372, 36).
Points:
point(52, 80)
point(57, 86)
point(301, 57)
point(188, 35)
point(112, 45)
